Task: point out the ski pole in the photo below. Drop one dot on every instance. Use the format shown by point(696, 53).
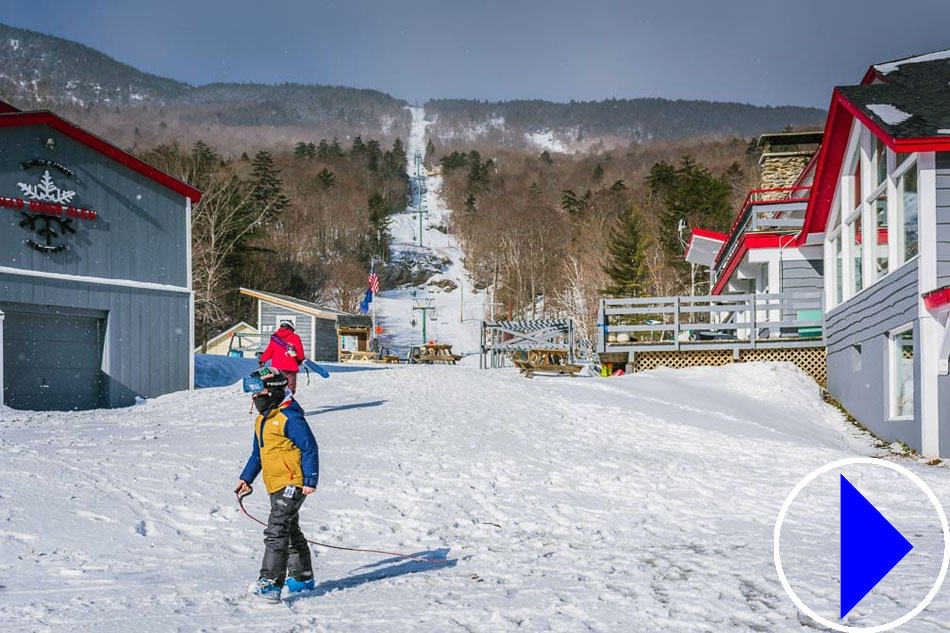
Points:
point(434, 561)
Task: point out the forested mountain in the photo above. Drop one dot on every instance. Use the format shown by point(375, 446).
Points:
point(587, 125)
point(136, 108)
point(139, 109)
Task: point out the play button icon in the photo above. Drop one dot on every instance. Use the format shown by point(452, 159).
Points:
point(870, 546)
point(859, 542)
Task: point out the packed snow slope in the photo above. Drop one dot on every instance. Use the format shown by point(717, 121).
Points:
point(639, 503)
point(458, 312)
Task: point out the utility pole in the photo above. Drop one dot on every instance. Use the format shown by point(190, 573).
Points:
point(424, 306)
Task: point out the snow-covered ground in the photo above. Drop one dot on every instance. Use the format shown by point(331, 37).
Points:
point(458, 313)
point(640, 503)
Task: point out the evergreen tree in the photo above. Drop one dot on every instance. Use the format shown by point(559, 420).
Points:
point(358, 148)
point(692, 194)
point(336, 150)
point(323, 149)
point(546, 158)
point(311, 150)
point(326, 178)
point(626, 269)
point(598, 173)
point(300, 150)
point(267, 189)
point(379, 220)
point(375, 154)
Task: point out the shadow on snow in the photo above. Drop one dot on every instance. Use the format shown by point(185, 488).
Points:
point(344, 407)
point(381, 570)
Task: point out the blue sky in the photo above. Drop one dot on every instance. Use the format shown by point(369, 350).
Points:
point(763, 51)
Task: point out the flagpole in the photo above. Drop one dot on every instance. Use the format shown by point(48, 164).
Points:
point(372, 335)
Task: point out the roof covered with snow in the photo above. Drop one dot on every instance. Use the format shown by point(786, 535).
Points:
point(907, 98)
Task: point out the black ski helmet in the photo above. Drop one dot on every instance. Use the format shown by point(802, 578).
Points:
point(275, 382)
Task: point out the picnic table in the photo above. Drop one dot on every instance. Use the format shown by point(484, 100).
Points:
point(548, 361)
point(353, 355)
point(436, 353)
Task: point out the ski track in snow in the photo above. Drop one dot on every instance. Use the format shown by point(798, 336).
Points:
point(641, 503)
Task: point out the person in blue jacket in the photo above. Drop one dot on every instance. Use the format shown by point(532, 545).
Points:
point(286, 452)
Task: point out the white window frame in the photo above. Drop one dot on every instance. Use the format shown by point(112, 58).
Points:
point(860, 146)
point(831, 264)
point(892, 362)
point(897, 250)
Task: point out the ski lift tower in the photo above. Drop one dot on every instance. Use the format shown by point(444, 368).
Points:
point(419, 166)
point(424, 306)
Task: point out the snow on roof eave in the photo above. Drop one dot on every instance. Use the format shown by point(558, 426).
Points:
point(889, 67)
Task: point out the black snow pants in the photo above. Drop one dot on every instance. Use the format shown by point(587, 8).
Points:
point(286, 551)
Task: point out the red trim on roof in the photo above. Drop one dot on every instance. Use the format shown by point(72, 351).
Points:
point(841, 113)
point(872, 74)
point(20, 119)
point(709, 235)
point(750, 241)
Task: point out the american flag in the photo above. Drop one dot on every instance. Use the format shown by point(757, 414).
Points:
point(373, 280)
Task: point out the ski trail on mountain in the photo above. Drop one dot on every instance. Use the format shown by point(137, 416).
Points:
point(458, 312)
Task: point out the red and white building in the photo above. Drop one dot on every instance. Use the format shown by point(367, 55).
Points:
point(876, 225)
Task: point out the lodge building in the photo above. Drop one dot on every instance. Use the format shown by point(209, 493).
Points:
point(96, 304)
point(868, 220)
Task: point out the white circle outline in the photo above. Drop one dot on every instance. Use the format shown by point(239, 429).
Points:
point(874, 462)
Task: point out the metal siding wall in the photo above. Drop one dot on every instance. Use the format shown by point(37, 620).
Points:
point(327, 342)
point(147, 331)
point(269, 315)
point(943, 278)
point(887, 304)
point(943, 220)
point(866, 320)
point(141, 228)
point(801, 275)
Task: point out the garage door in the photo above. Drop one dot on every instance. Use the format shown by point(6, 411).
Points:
point(52, 362)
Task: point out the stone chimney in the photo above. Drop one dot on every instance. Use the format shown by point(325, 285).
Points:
point(784, 157)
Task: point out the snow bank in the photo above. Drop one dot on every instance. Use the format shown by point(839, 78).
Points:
point(217, 371)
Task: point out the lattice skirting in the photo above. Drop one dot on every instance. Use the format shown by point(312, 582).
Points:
point(811, 360)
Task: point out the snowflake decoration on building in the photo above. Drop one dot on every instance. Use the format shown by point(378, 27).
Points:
point(46, 191)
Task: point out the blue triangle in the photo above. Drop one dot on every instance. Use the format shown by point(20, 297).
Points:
point(870, 547)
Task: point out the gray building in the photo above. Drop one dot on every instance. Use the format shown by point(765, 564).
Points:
point(881, 211)
point(96, 305)
point(322, 330)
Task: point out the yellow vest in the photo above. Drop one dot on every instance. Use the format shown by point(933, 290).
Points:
point(280, 458)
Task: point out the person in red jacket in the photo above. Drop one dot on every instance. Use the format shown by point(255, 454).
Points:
point(285, 352)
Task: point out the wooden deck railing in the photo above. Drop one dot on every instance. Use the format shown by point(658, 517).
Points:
point(746, 321)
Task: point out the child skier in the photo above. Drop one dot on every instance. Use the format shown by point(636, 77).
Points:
point(285, 450)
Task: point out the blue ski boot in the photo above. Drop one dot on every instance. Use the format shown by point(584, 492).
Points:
point(268, 590)
point(293, 585)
